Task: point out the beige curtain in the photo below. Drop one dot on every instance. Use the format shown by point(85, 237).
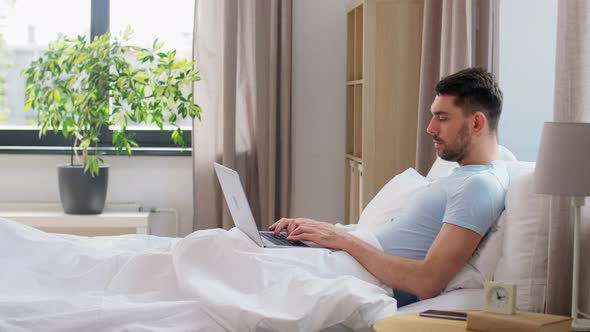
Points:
point(571, 104)
point(456, 34)
point(243, 49)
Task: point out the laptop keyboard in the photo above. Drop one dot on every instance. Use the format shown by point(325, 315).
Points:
point(281, 240)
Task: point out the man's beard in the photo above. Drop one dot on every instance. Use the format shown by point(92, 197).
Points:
point(458, 151)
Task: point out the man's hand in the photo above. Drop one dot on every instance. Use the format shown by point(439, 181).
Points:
point(302, 229)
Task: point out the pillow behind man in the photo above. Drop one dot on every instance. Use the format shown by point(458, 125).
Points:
point(390, 200)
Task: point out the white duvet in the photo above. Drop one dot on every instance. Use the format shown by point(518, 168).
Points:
point(212, 280)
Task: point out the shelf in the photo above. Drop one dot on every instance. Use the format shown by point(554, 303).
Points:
point(53, 219)
point(358, 42)
point(354, 110)
point(350, 46)
point(354, 5)
point(355, 82)
point(383, 52)
point(349, 119)
point(117, 218)
point(56, 207)
point(358, 121)
point(354, 158)
point(355, 43)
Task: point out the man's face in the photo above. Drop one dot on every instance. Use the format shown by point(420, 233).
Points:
point(449, 129)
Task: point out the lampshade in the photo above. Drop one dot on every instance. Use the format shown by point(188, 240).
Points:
point(563, 162)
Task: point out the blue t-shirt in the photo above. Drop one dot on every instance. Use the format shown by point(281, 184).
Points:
point(471, 197)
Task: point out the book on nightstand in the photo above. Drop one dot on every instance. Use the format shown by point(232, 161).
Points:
point(519, 322)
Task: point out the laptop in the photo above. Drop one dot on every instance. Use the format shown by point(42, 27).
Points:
point(241, 213)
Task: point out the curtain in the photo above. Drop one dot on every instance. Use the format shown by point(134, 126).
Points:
point(243, 50)
point(456, 34)
point(571, 104)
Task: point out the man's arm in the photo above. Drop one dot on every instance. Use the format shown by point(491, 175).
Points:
point(426, 278)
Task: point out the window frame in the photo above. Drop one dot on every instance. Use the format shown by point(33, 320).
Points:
point(153, 142)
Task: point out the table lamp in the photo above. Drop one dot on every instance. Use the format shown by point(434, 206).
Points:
point(562, 168)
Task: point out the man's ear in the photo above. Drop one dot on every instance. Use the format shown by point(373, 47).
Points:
point(479, 122)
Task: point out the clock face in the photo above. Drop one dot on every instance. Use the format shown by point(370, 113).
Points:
point(500, 298)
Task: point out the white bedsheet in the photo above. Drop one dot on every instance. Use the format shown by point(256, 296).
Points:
point(459, 299)
point(212, 280)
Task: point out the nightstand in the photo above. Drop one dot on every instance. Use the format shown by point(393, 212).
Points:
point(116, 219)
point(411, 322)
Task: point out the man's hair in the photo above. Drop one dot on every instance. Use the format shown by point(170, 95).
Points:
point(475, 89)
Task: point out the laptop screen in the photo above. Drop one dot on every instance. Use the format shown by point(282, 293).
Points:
point(236, 200)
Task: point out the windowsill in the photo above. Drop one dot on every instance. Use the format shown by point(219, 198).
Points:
point(65, 150)
point(151, 143)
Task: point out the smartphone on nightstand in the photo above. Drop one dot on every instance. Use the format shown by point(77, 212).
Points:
point(444, 314)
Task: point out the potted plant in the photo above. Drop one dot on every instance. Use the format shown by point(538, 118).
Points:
point(82, 89)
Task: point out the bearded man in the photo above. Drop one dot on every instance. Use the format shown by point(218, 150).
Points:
point(437, 232)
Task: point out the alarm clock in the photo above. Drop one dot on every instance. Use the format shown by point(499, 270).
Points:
point(499, 297)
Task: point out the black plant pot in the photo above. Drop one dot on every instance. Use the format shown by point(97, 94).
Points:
point(80, 193)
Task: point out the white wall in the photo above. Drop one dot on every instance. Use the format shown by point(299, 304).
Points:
point(164, 182)
point(527, 72)
point(318, 106)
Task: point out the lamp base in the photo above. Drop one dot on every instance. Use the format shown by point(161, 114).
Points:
point(581, 324)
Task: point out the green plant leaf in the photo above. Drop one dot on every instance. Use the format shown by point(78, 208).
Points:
point(64, 130)
point(157, 45)
point(195, 111)
point(142, 78)
point(140, 54)
point(70, 86)
point(128, 149)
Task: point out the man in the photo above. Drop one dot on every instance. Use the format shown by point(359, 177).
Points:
point(428, 244)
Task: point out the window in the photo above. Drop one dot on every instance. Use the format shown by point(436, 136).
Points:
point(527, 73)
point(170, 21)
point(27, 27)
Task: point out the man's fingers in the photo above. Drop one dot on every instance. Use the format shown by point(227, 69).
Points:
point(292, 226)
point(273, 226)
point(297, 230)
point(277, 228)
point(303, 235)
point(281, 224)
point(302, 229)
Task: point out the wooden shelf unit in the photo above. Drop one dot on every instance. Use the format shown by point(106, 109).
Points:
point(384, 40)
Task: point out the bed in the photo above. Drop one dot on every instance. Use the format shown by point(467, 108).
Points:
point(212, 280)
point(219, 280)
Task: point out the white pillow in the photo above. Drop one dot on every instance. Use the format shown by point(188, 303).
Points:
point(525, 245)
point(487, 255)
point(482, 264)
point(442, 167)
point(389, 201)
point(468, 278)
